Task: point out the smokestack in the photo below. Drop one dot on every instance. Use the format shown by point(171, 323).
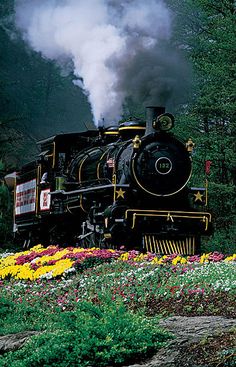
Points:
point(152, 113)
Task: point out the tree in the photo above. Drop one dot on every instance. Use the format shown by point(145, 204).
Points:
point(4, 205)
point(206, 31)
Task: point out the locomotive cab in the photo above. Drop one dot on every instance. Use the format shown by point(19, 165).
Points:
point(36, 180)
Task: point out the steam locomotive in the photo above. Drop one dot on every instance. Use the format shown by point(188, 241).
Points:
point(124, 185)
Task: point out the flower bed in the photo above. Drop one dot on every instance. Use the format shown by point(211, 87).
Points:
point(55, 262)
point(174, 284)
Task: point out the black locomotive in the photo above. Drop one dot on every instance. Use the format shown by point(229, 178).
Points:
point(119, 186)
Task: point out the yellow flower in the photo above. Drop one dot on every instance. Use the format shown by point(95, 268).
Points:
point(37, 248)
point(140, 257)
point(55, 270)
point(7, 261)
point(12, 271)
point(176, 260)
point(42, 271)
point(78, 250)
point(230, 258)
point(204, 258)
point(25, 272)
point(155, 260)
point(58, 255)
point(61, 266)
point(124, 257)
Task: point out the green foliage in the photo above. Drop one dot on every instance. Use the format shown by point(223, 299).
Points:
point(108, 333)
point(92, 335)
point(22, 316)
point(90, 262)
point(6, 308)
point(4, 205)
point(207, 30)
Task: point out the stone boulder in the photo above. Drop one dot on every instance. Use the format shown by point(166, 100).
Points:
point(187, 331)
point(13, 342)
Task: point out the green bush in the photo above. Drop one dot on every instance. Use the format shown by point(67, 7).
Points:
point(18, 317)
point(6, 307)
point(93, 335)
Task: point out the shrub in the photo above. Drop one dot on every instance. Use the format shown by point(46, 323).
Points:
point(18, 317)
point(92, 335)
point(6, 306)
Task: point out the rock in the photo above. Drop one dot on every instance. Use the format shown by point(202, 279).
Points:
point(194, 328)
point(13, 342)
point(187, 330)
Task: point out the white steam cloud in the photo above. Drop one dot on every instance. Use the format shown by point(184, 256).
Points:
point(114, 46)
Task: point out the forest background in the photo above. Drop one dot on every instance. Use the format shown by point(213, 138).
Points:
point(37, 101)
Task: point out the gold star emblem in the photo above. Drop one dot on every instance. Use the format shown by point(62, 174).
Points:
point(120, 193)
point(198, 196)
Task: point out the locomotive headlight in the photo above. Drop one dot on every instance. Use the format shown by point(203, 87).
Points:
point(164, 122)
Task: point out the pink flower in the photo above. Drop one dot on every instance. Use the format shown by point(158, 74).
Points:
point(51, 262)
point(216, 256)
point(194, 258)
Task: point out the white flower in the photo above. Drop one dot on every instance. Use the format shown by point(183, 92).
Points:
point(46, 275)
point(6, 254)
